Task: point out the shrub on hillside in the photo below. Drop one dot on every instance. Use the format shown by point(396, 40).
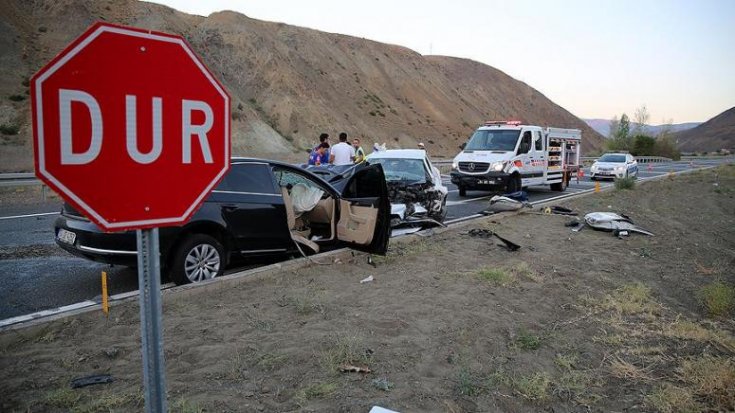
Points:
point(625, 183)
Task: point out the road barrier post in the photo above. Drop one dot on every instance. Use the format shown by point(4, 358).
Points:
point(597, 187)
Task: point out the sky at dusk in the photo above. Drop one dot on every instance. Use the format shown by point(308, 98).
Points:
point(596, 59)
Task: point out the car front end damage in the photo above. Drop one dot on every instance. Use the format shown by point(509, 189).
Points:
point(416, 204)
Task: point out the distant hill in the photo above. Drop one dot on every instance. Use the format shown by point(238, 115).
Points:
point(287, 83)
point(716, 133)
point(602, 126)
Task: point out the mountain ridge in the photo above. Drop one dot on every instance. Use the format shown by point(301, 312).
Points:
point(287, 83)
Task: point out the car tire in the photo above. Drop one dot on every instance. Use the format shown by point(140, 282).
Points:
point(442, 213)
point(514, 184)
point(462, 191)
point(198, 258)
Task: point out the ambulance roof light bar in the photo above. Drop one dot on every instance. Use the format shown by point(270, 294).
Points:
point(502, 122)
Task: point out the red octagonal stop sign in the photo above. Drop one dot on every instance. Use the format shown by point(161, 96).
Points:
point(130, 127)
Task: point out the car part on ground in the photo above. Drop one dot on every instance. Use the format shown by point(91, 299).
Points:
point(486, 233)
point(612, 222)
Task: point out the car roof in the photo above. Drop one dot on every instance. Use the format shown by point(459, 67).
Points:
point(616, 153)
point(399, 154)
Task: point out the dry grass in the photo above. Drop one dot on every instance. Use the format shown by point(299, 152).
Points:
point(631, 299)
point(523, 270)
point(346, 349)
point(687, 330)
point(718, 298)
point(496, 276)
point(626, 370)
point(668, 398)
point(533, 387)
point(319, 390)
point(712, 379)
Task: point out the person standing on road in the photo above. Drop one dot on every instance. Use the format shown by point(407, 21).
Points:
point(317, 154)
point(359, 152)
point(323, 138)
point(342, 153)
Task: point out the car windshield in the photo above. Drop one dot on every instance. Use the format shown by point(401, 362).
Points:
point(612, 158)
point(411, 170)
point(493, 140)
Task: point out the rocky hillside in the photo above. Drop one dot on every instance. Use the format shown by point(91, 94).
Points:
point(288, 83)
point(716, 133)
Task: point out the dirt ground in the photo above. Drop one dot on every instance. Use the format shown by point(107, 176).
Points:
point(451, 323)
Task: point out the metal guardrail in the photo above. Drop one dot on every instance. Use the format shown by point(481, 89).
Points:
point(19, 179)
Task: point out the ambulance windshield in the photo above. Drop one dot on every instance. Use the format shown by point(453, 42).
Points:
point(493, 140)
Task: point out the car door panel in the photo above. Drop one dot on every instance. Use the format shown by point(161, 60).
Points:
point(356, 223)
point(365, 209)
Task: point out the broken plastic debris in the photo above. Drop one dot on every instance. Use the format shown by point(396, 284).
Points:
point(486, 233)
point(367, 280)
point(90, 380)
point(609, 221)
point(349, 368)
point(378, 409)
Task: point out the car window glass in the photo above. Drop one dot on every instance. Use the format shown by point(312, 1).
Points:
point(539, 143)
point(287, 178)
point(254, 178)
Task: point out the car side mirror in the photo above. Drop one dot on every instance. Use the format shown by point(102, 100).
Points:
point(463, 145)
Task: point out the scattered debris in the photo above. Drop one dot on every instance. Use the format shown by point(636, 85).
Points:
point(559, 210)
point(349, 368)
point(503, 203)
point(518, 196)
point(610, 221)
point(371, 262)
point(486, 233)
point(367, 280)
point(404, 231)
point(91, 380)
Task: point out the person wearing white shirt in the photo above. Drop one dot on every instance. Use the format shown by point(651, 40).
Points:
point(342, 153)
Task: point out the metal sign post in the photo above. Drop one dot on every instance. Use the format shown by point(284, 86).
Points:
point(151, 324)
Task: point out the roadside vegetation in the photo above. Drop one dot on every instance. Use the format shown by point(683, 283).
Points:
point(631, 136)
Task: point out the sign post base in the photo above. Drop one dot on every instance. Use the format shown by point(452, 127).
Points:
point(151, 321)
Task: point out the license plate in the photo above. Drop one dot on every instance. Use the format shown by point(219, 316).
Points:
point(66, 237)
point(484, 182)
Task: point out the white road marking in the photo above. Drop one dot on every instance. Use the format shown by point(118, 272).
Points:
point(29, 215)
point(450, 203)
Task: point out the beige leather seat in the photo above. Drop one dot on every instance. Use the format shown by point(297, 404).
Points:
point(299, 236)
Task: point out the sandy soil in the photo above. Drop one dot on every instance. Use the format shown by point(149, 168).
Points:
point(451, 323)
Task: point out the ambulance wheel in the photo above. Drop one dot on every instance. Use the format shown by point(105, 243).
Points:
point(514, 184)
point(559, 187)
point(462, 191)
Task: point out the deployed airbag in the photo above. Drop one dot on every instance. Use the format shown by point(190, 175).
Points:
point(305, 198)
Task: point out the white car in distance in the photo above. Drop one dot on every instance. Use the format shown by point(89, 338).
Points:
point(614, 165)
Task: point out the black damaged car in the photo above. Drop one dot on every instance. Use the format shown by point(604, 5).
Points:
point(260, 208)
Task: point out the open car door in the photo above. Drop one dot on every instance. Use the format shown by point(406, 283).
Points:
point(364, 210)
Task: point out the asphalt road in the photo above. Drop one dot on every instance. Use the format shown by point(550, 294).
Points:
point(37, 275)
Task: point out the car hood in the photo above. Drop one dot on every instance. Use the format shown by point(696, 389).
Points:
point(610, 165)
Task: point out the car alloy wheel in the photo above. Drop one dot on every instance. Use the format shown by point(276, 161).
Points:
point(202, 263)
point(198, 257)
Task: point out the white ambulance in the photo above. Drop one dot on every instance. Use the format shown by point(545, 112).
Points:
point(507, 156)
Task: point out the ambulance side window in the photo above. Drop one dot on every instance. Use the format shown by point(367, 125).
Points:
point(539, 141)
point(525, 145)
